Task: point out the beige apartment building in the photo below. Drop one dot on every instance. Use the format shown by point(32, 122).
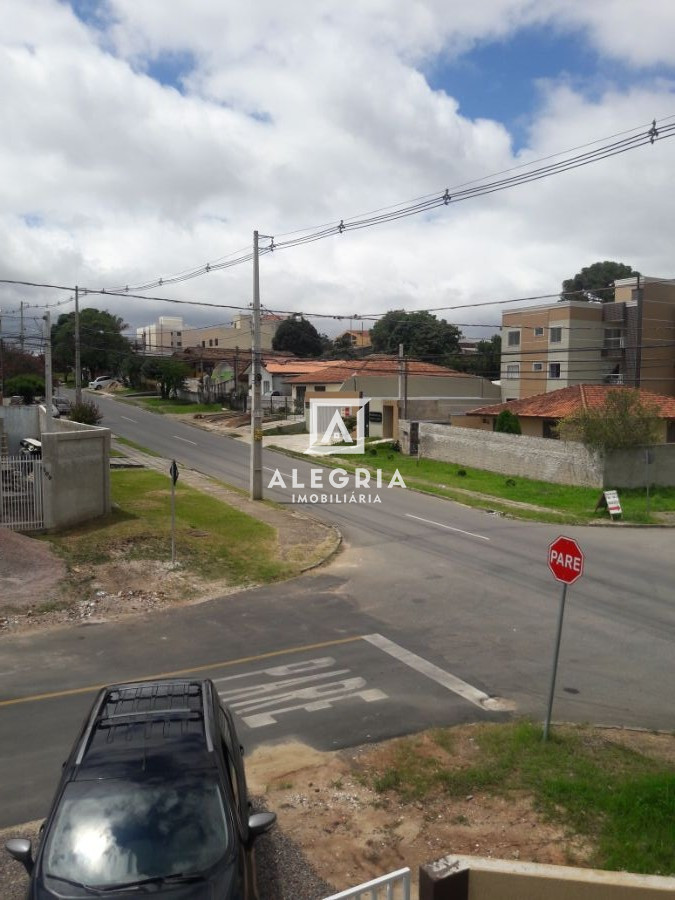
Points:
point(629, 340)
point(238, 335)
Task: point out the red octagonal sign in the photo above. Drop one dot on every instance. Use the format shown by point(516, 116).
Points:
point(566, 560)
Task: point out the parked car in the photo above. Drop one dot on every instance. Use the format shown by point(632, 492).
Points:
point(152, 797)
point(62, 404)
point(30, 448)
point(103, 381)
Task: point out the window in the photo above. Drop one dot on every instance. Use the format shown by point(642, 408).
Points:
point(203, 343)
point(513, 370)
point(215, 343)
point(555, 335)
point(210, 342)
point(319, 387)
point(537, 367)
point(538, 332)
point(514, 339)
point(554, 370)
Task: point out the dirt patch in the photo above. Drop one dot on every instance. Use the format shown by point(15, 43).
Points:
point(335, 828)
point(29, 570)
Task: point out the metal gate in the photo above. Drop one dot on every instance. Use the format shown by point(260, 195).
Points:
point(21, 506)
point(394, 886)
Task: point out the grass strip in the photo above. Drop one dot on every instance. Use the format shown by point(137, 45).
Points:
point(619, 799)
point(175, 407)
point(560, 503)
point(213, 539)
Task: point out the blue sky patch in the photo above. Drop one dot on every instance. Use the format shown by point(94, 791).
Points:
point(171, 69)
point(502, 80)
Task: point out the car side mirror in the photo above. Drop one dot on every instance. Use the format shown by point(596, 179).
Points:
point(21, 850)
point(259, 823)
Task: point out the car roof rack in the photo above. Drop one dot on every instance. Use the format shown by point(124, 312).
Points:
point(149, 703)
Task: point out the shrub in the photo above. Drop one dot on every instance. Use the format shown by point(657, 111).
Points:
point(26, 386)
point(507, 422)
point(86, 413)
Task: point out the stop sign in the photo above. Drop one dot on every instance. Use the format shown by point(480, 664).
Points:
point(565, 559)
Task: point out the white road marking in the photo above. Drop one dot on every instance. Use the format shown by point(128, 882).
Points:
point(440, 676)
point(449, 527)
point(260, 704)
point(270, 469)
point(184, 439)
point(129, 420)
point(308, 665)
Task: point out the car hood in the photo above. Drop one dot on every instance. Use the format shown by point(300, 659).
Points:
point(214, 889)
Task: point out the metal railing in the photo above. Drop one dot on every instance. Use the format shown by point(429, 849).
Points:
point(21, 506)
point(394, 886)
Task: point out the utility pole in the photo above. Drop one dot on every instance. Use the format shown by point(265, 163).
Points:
point(401, 379)
point(21, 326)
point(256, 378)
point(2, 369)
point(78, 367)
point(48, 365)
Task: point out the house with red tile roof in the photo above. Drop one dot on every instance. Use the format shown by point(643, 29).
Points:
point(539, 415)
point(431, 392)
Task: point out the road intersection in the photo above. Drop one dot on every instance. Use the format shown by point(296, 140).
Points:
point(433, 614)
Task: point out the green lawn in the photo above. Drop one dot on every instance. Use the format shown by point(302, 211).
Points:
point(576, 504)
point(622, 801)
point(212, 539)
point(176, 407)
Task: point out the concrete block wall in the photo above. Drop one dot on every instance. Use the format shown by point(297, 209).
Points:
point(19, 422)
point(628, 469)
point(561, 462)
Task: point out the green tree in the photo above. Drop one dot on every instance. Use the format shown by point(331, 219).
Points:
point(595, 281)
point(27, 386)
point(102, 345)
point(623, 421)
point(485, 362)
point(170, 375)
point(421, 334)
point(507, 422)
point(297, 335)
point(132, 369)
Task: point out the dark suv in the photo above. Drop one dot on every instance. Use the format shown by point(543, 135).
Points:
point(152, 800)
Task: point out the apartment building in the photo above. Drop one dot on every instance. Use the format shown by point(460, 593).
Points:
point(238, 335)
point(162, 337)
point(628, 340)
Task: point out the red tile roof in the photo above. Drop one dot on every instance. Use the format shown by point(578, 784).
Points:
point(558, 404)
point(338, 370)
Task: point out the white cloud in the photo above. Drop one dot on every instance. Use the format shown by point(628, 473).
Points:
point(298, 114)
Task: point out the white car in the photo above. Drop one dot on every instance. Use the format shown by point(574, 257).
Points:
point(103, 381)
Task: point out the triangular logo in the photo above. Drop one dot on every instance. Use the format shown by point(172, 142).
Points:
point(336, 425)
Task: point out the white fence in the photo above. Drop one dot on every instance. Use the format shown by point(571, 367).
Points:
point(21, 507)
point(394, 886)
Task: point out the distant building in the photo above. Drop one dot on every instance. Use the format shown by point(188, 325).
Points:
point(237, 335)
point(165, 336)
point(356, 337)
point(629, 340)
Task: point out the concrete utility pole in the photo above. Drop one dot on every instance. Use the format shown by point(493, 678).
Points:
point(256, 377)
point(21, 325)
point(48, 365)
point(78, 367)
point(402, 383)
point(2, 370)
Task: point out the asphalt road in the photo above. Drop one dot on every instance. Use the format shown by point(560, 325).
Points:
point(434, 613)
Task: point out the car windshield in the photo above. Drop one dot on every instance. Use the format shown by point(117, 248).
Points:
point(111, 832)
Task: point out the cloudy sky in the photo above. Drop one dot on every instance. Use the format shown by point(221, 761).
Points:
point(144, 138)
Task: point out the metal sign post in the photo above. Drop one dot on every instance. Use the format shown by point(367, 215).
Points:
point(173, 471)
point(566, 562)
